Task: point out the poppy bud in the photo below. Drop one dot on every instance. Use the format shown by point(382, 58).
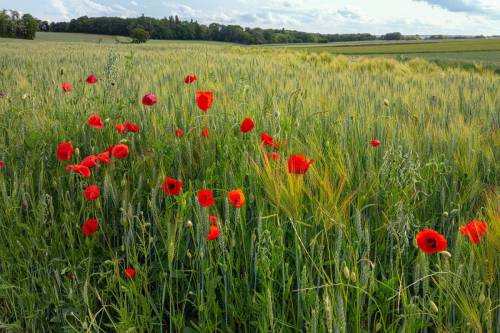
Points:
point(482, 298)
point(445, 215)
point(433, 306)
point(61, 71)
point(354, 278)
point(107, 120)
point(378, 326)
point(189, 224)
point(386, 102)
point(445, 253)
point(347, 273)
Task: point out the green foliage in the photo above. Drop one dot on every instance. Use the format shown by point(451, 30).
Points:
point(14, 26)
point(139, 35)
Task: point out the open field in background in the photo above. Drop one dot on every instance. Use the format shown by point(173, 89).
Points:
point(330, 251)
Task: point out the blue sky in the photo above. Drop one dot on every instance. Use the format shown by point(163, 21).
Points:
point(326, 16)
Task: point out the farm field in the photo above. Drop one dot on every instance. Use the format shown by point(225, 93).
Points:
point(350, 163)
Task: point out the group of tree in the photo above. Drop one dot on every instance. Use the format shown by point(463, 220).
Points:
point(13, 25)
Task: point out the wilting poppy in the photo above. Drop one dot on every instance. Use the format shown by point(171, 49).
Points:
point(375, 143)
point(213, 219)
point(273, 156)
point(171, 186)
point(430, 241)
point(206, 198)
point(2, 164)
point(95, 121)
point(129, 272)
point(298, 164)
point(236, 197)
point(247, 125)
point(90, 162)
point(179, 133)
point(266, 139)
point(81, 169)
point(91, 79)
point(66, 86)
point(64, 151)
point(120, 128)
point(213, 233)
point(104, 157)
point(190, 79)
point(204, 99)
point(149, 99)
point(131, 127)
point(92, 192)
point(204, 132)
point(90, 226)
point(119, 151)
point(474, 230)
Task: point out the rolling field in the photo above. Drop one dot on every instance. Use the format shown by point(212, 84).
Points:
point(336, 243)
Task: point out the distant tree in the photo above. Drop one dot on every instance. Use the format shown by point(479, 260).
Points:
point(29, 26)
point(139, 35)
point(393, 36)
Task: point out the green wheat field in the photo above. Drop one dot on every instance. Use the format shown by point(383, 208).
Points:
point(332, 250)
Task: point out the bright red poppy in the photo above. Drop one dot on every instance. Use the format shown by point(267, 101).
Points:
point(131, 127)
point(171, 186)
point(430, 241)
point(298, 164)
point(90, 162)
point(213, 219)
point(266, 139)
point(120, 128)
point(273, 156)
point(204, 99)
point(179, 133)
point(119, 151)
point(190, 79)
point(66, 87)
point(206, 198)
point(236, 198)
point(92, 192)
point(95, 121)
point(91, 79)
point(64, 151)
point(149, 99)
point(90, 226)
point(375, 143)
point(474, 230)
point(247, 125)
point(204, 132)
point(104, 157)
point(2, 164)
point(213, 233)
point(81, 169)
point(129, 272)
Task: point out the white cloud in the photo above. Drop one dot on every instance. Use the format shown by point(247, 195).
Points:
point(61, 8)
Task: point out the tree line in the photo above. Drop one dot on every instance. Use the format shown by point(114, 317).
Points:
point(13, 25)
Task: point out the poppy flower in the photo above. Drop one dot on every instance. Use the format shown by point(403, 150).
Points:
point(474, 230)
point(237, 198)
point(273, 156)
point(204, 132)
point(104, 157)
point(266, 139)
point(90, 226)
point(64, 151)
point(205, 198)
point(2, 164)
point(375, 143)
point(91, 79)
point(179, 133)
point(95, 121)
point(81, 169)
point(213, 233)
point(149, 99)
point(298, 164)
point(92, 192)
point(430, 241)
point(171, 186)
point(212, 219)
point(131, 127)
point(204, 99)
point(129, 272)
point(90, 162)
point(66, 87)
point(190, 79)
point(119, 151)
point(120, 128)
point(247, 125)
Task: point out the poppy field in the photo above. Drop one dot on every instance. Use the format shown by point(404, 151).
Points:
point(184, 187)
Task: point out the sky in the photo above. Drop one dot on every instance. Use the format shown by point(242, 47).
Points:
point(425, 17)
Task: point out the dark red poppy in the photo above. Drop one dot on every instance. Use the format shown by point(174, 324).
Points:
point(204, 132)
point(298, 164)
point(204, 99)
point(131, 127)
point(149, 99)
point(430, 241)
point(90, 226)
point(64, 151)
point(104, 157)
point(2, 164)
point(375, 143)
point(81, 169)
point(92, 192)
point(91, 79)
point(266, 139)
point(474, 230)
point(236, 198)
point(179, 133)
point(206, 198)
point(213, 219)
point(213, 233)
point(171, 186)
point(247, 125)
point(66, 86)
point(90, 162)
point(190, 79)
point(119, 151)
point(129, 272)
point(120, 128)
point(95, 121)
point(273, 156)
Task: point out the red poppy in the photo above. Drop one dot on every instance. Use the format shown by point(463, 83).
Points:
point(91, 79)
point(204, 99)
point(204, 132)
point(179, 133)
point(273, 156)
point(213, 219)
point(236, 197)
point(92, 192)
point(375, 143)
point(247, 125)
point(90, 162)
point(120, 128)
point(266, 139)
point(298, 164)
point(474, 230)
point(149, 99)
point(64, 151)
point(90, 226)
point(430, 241)
point(131, 127)
point(171, 186)
point(81, 169)
point(66, 86)
point(190, 79)
point(129, 272)
point(95, 121)
point(206, 198)
point(119, 151)
point(213, 233)
point(104, 157)
point(2, 164)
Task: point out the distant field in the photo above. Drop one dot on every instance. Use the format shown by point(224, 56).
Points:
point(75, 37)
